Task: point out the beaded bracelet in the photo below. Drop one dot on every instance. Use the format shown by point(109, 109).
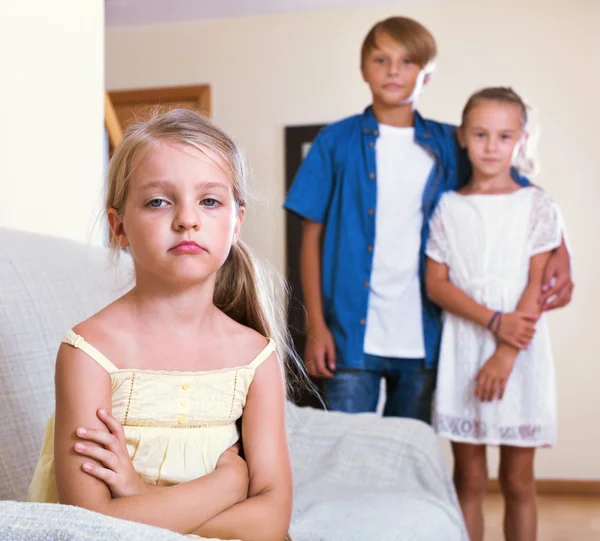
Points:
point(496, 316)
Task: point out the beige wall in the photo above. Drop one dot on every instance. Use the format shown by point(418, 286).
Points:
point(272, 71)
point(51, 135)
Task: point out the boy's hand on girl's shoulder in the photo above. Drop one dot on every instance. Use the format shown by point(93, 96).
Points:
point(490, 382)
point(558, 285)
point(319, 355)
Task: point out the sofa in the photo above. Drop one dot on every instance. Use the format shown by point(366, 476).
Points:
point(356, 477)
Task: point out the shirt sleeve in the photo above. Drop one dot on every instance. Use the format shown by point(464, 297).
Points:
point(311, 191)
point(546, 228)
point(437, 241)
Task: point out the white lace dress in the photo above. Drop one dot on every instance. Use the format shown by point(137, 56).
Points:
point(487, 242)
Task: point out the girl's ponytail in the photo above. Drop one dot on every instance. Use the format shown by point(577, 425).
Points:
point(255, 295)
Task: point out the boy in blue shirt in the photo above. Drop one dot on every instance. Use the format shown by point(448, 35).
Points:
point(366, 191)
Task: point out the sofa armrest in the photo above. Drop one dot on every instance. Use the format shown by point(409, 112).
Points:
point(20, 521)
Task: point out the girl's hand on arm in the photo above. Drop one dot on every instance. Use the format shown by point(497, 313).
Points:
point(83, 387)
point(516, 329)
point(492, 378)
point(115, 468)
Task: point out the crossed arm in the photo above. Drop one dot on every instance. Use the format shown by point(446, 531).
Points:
point(265, 515)
point(241, 500)
point(514, 335)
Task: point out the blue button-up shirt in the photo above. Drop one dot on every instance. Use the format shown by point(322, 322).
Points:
point(336, 186)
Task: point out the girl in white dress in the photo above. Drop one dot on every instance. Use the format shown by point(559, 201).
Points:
point(488, 246)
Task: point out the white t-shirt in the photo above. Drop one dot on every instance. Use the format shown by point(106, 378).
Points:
point(394, 320)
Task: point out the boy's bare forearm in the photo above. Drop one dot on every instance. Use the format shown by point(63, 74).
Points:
point(310, 274)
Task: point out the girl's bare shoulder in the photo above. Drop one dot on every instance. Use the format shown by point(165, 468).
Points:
point(240, 341)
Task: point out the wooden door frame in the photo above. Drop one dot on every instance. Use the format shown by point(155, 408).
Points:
point(111, 122)
point(199, 93)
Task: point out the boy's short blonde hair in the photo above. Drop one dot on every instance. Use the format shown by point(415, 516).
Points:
point(412, 35)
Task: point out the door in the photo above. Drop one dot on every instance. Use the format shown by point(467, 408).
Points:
point(297, 143)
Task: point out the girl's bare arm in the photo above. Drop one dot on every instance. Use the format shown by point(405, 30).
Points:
point(451, 298)
point(266, 514)
point(82, 387)
point(515, 328)
point(530, 299)
point(493, 376)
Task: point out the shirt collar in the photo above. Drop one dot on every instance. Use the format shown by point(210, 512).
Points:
point(369, 125)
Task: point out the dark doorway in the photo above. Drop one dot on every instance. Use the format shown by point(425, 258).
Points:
point(297, 142)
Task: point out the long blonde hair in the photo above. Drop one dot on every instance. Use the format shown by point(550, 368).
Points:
point(250, 293)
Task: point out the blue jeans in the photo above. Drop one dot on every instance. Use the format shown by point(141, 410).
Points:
point(409, 387)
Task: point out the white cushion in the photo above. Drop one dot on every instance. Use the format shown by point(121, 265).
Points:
point(50, 522)
point(46, 286)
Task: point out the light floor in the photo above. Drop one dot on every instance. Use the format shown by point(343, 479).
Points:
point(561, 518)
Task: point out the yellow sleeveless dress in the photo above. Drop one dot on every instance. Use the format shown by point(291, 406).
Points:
point(176, 424)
